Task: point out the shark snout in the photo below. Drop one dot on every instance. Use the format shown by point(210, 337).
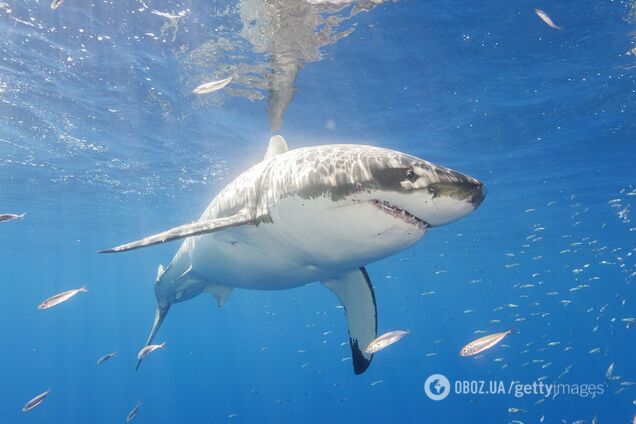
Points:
point(469, 190)
point(447, 201)
point(476, 194)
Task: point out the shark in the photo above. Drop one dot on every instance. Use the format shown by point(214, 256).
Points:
point(311, 214)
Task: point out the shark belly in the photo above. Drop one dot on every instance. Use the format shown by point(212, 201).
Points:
point(307, 241)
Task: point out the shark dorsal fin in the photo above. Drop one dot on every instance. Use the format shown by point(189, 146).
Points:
point(277, 145)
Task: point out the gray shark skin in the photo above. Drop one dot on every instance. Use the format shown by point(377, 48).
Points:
point(312, 214)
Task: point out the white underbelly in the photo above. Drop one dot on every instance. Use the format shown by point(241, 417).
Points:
point(308, 240)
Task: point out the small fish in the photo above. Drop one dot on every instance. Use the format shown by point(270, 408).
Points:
point(631, 52)
point(515, 410)
point(105, 358)
point(55, 4)
point(133, 412)
point(483, 343)
point(147, 350)
point(545, 18)
point(210, 87)
point(6, 217)
point(60, 298)
point(609, 372)
point(35, 401)
point(385, 340)
point(375, 383)
point(168, 15)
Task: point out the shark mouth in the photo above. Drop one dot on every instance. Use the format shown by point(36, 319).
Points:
point(398, 213)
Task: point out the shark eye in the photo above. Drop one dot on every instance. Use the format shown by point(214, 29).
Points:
point(410, 175)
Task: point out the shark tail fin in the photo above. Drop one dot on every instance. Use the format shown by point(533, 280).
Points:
point(160, 315)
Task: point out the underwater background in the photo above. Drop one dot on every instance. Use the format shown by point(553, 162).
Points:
point(102, 142)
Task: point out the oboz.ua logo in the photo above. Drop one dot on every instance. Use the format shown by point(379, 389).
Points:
point(437, 387)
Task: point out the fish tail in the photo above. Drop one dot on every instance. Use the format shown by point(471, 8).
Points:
point(83, 289)
point(160, 315)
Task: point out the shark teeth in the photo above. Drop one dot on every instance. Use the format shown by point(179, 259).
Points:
point(399, 213)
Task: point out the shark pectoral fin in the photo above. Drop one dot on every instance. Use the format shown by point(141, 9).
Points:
point(355, 292)
point(160, 315)
point(277, 145)
point(220, 292)
point(188, 230)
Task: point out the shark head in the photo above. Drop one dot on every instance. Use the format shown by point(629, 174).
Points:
point(413, 188)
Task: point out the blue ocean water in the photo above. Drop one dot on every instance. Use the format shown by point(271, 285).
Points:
point(102, 142)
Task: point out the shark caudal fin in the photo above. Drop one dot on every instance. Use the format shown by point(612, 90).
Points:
point(160, 315)
point(355, 292)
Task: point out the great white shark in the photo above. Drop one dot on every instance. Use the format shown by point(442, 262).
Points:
point(311, 214)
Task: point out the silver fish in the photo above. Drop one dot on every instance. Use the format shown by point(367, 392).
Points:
point(147, 350)
point(168, 15)
point(609, 372)
point(209, 87)
point(10, 216)
point(386, 340)
point(35, 401)
point(60, 298)
point(483, 343)
point(105, 358)
point(545, 18)
point(55, 4)
point(133, 412)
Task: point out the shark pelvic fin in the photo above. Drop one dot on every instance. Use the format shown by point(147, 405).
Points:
point(220, 292)
point(160, 272)
point(355, 292)
point(277, 145)
point(160, 315)
point(188, 230)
